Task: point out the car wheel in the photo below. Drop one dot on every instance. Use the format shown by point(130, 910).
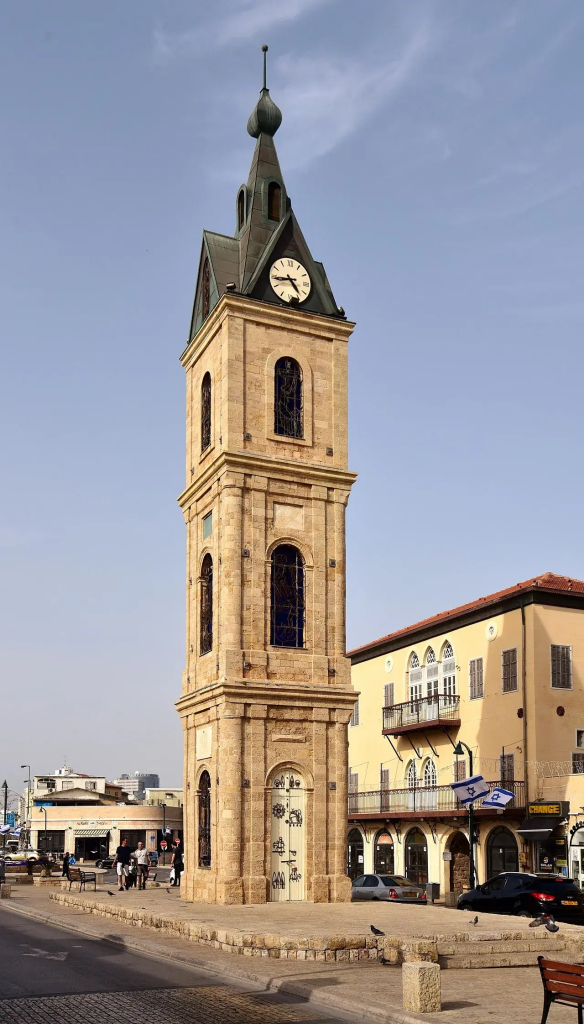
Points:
point(523, 913)
point(465, 906)
point(375, 899)
point(99, 864)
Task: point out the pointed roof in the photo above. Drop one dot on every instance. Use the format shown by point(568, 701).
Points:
point(243, 261)
point(547, 584)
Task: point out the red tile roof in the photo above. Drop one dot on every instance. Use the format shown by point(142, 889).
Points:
point(548, 581)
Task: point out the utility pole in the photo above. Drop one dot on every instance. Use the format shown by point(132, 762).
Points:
point(459, 752)
point(5, 788)
point(164, 834)
point(28, 788)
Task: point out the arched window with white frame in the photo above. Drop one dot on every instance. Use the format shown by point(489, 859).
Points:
point(412, 785)
point(448, 673)
point(429, 794)
point(414, 678)
point(432, 685)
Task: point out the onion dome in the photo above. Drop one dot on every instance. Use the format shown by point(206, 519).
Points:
point(266, 117)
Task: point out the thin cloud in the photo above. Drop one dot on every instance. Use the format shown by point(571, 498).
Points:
point(238, 21)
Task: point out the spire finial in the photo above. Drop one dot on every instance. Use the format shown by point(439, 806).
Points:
point(266, 118)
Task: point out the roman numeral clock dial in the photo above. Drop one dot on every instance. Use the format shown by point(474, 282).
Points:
point(290, 280)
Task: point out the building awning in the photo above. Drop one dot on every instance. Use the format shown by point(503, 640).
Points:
point(96, 833)
point(538, 828)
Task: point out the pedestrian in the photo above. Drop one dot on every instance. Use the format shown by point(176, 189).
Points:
point(142, 859)
point(176, 863)
point(122, 863)
point(65, 871)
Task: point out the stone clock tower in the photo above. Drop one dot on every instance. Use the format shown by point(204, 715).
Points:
point(266, 690)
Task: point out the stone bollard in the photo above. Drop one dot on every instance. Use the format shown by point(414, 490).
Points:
point(5, 891)
point(421, 987)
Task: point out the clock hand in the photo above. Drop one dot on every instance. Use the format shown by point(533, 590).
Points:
point(292, 281)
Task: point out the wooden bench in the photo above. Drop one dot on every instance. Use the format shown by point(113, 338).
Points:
point(562, 983)
point(77, 875)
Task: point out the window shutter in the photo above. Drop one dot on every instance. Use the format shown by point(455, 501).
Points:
point(561, 656)
point(476, 678)
point(459, 769)
point(577, 764)
point(507, 767)
point(385, 782)
point(509, 670)
point(353, 782)
point(354, 720)
point(388, 695)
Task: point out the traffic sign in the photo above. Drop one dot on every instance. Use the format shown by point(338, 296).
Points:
point(10, 819)
point(163, 844)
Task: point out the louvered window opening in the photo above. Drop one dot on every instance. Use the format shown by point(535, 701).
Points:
point(389, 695)
point(206, 303)
point(449, 674)
point(354, 719)
point(459, 769)
point(476, 688)
point(288, 399)
point(287, 597)
point(415, 683)
point(432, 683)
point(207, 605)
point(577, 764)
point(205, 820)
point(385, 780)
point(430, 775)
point(353, 782)
point(580, 737)
point(509, 659)
point(507, 764)
point(274, 196)
point(206, 412)
point(561, 667)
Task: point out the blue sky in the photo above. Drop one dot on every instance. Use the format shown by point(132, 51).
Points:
point(434, 155)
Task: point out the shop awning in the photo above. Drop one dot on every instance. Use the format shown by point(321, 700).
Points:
point(95, 833)
point(538, 828)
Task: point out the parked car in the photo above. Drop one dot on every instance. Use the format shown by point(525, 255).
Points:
point(22, 855)
point(387, 887)
point(516, 892)
point(104, 862)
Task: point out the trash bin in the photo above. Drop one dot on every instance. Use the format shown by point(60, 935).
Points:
point(432, 891)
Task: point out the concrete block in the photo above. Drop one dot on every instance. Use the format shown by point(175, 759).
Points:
point(421, 987)
point(5, 891)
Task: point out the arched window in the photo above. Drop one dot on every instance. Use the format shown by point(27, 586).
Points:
point(205, 820)
point(207, 605)
point(414, 660)
point(383, 861)
point(288, 399)
point(430, 656)
point(411, 777)
point(416, 857)
point(206, 289)
point(206, 412)
point(274, 194)
point(415, 678)
point(240, 209)
point(448, 674)
point(432, 672)
point(502, 852)
point(287, 597)
point(430, 775)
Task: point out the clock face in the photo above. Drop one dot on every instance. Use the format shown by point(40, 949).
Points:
point(289, 279)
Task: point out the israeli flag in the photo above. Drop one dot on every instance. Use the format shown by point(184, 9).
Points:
point(498, 798)
point(16, 831)
point(471, 789)
point(4, 829)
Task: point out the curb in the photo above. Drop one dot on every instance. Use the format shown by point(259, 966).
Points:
point(325, 1002)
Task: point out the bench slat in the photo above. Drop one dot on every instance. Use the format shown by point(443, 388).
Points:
point(566, 990)
point(567, 979)
point(558, 965)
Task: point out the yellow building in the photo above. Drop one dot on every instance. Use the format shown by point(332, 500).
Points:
point(504, 675)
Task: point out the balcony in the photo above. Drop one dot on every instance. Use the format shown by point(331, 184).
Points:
point(426, 713)
point(421, 801)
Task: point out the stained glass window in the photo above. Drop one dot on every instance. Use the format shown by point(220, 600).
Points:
point(207, 605)
point(205, 820)
point(288, 399)
point(206, 412)
point(287, 597)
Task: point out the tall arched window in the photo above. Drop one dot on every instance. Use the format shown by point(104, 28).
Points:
point(207, 605)
point(415, 678)
point(429, 782)
point(430, 776)
point(287, 597)
point(240, 210)
point(411, 783)
point(288, 399)
point(205, 820)
point(206, 284)
point(274, 195)
point(432, 672)
point(448, 673)
point(206, 412)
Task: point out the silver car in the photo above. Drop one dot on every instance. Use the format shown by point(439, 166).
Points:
point(388, 887)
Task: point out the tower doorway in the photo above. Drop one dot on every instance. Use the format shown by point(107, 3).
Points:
point(460, 862)
point(288, 827)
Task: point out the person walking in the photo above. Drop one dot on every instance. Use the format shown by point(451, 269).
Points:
point(122, 863)
point(177, 862)
point(65, 871)
point(142, 859)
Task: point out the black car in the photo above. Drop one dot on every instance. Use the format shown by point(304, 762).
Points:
point(104, 862)
point(515, 892)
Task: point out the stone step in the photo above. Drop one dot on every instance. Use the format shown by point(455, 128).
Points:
point(512, 959)
point(527, 945)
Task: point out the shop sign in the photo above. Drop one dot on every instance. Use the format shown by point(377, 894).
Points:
point(547, 810)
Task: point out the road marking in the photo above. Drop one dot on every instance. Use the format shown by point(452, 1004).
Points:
point(44, 953)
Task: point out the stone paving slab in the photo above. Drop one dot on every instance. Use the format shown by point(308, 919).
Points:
point(370, 992)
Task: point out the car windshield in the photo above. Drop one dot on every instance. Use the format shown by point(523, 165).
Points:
point(394, 880)
point(553, 885)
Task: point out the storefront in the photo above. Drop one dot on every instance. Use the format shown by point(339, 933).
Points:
point(91, 844)
point(383, 859)
point(546, 831)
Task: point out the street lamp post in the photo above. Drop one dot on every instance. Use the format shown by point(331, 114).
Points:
point(164, 834)
point(459, 752)
point(5, 788)
point(29, 784)
point(44, 810)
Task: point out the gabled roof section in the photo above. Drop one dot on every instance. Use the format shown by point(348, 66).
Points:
point(222, 252)
point(549, 583)
point(258, 229)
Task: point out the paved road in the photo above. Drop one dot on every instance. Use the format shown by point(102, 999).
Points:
point(53, 976)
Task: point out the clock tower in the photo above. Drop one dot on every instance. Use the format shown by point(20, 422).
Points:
point(266, 690)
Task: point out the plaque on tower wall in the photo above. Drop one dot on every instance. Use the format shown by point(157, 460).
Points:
point(204, 737)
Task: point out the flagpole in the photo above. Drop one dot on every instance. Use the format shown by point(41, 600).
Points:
point(471, 866)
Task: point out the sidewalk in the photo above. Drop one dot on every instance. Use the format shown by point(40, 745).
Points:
point(367, 990)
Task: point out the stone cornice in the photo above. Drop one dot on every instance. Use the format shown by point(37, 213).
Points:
point(297, 320)
point(271, 466)
point(247, 691)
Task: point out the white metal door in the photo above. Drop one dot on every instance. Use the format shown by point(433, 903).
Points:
point(288, 813)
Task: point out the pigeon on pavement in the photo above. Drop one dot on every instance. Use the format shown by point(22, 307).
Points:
point(551, 925)
point(110, 893)
point(376, 931)
point(475, 920)
point(538, 921)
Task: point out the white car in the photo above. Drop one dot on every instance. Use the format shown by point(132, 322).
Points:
point(21, 855)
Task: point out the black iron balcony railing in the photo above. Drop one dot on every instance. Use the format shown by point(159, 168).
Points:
point(421, 714)
point(423, 799)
